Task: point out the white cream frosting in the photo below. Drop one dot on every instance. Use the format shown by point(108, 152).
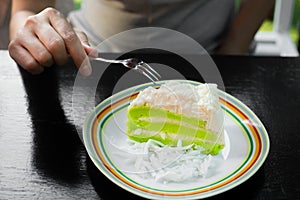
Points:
point(201, 101)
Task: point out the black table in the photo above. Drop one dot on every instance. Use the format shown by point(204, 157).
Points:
point(42, 157)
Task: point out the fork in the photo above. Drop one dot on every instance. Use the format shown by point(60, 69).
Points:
point(135, 64)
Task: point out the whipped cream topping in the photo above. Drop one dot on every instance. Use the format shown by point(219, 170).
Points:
point(201, 101)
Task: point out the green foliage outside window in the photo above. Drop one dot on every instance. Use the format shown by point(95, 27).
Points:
point(77, 4)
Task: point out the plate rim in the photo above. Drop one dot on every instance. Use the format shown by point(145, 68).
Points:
point(265, 145)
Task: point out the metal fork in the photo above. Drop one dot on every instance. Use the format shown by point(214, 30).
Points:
point(135, 64)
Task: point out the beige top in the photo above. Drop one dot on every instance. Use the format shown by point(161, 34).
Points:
point(203, 20)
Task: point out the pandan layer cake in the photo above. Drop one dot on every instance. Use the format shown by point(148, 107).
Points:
point(178, 113)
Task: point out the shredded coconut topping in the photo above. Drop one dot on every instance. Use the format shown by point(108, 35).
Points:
point(165, 164)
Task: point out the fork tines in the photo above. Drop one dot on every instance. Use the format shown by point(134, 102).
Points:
point(148, 71)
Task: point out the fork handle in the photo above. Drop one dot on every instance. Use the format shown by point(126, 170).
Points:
point(106, 60)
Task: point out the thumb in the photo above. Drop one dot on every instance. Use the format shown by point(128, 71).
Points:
point(90, 50)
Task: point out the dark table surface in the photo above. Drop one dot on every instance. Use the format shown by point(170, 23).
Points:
point(42, 157)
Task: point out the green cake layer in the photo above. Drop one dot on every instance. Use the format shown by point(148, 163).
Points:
point(146, 123)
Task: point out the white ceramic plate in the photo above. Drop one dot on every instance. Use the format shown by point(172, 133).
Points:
point(246, 148)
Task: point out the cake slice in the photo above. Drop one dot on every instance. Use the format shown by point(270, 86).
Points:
point(178, 113)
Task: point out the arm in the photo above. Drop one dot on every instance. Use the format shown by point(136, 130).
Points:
point(41, 36)
point(245, 25)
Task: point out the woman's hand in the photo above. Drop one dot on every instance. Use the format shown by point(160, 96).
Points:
point(47, 38)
